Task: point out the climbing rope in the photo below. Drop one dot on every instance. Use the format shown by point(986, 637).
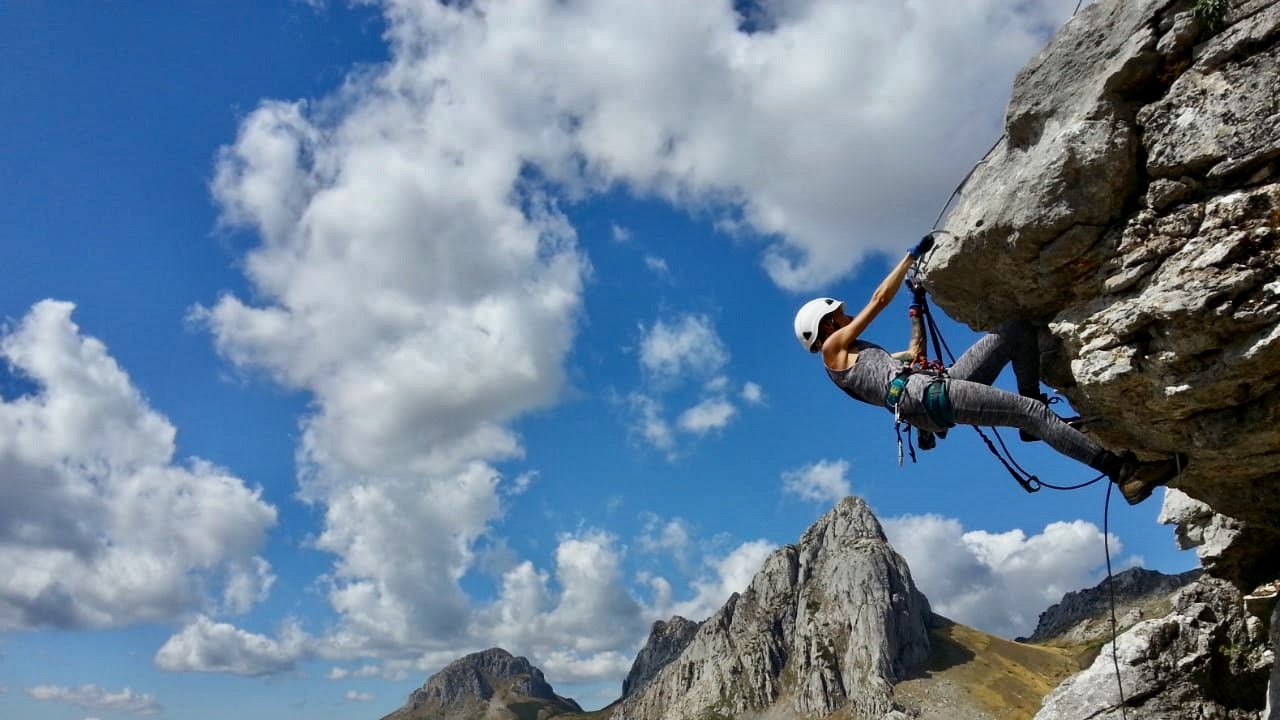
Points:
point(1030, 482)
point(1111, 593)
point(963, 182)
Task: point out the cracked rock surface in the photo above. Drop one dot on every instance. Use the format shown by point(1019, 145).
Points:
point(1207, 659)
point(1132, 210)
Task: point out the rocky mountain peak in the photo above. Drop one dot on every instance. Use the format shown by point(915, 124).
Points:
point(666, 641)
point(484, 684)
point(827, 624)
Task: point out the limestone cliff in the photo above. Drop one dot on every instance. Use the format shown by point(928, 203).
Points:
point(1206, 659)
point(827, 624)
point(1132, 209)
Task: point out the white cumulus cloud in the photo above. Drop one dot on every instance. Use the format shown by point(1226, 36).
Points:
point(658, 266)
point(713, 413)
point(690, 345)
point(674, 535)
point(579, 616)
point(364, 671)
point(416, 278)
point(209, 646)
point(100, 525)
point(674, 354)
point(94, 698)
point(833, 132)
point(650, 422)
point(824, 481)
point(997, 582)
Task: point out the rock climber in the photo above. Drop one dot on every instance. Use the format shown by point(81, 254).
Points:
point(963, 395)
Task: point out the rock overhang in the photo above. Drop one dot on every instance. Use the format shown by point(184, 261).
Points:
point(1132, 211)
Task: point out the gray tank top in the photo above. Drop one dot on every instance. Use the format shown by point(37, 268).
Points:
point(870, 374)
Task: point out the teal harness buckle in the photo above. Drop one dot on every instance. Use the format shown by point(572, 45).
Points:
point(893, 393)
point(937, 402)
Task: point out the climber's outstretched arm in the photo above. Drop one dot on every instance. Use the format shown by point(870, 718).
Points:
point(839, 344)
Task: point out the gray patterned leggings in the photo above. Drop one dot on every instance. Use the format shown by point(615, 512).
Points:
point(975, 402)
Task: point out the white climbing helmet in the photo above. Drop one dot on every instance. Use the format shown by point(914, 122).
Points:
point(810, 316)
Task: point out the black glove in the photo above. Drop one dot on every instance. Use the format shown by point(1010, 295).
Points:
point(922, 247)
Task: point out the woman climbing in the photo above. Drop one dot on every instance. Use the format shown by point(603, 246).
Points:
point(963, 395)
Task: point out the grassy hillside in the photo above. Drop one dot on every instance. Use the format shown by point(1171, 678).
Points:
point(972, 674)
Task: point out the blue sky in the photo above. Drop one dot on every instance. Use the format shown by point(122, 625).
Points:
point(343, 340)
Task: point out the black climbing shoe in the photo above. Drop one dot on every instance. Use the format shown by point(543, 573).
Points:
point(1138, 479)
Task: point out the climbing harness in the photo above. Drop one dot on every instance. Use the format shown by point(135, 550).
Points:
point(937, 402)
point(937, 405)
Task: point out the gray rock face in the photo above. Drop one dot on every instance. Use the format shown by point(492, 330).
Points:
point(1207, 659)
point(1074, 617)
point(666, 641)
point(826, 624)
point(479, 683)
point(1132, 210)
point(1198, 526)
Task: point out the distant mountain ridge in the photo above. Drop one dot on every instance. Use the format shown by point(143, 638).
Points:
point(488, 685)
point(1083, 616)
point(832, 626)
